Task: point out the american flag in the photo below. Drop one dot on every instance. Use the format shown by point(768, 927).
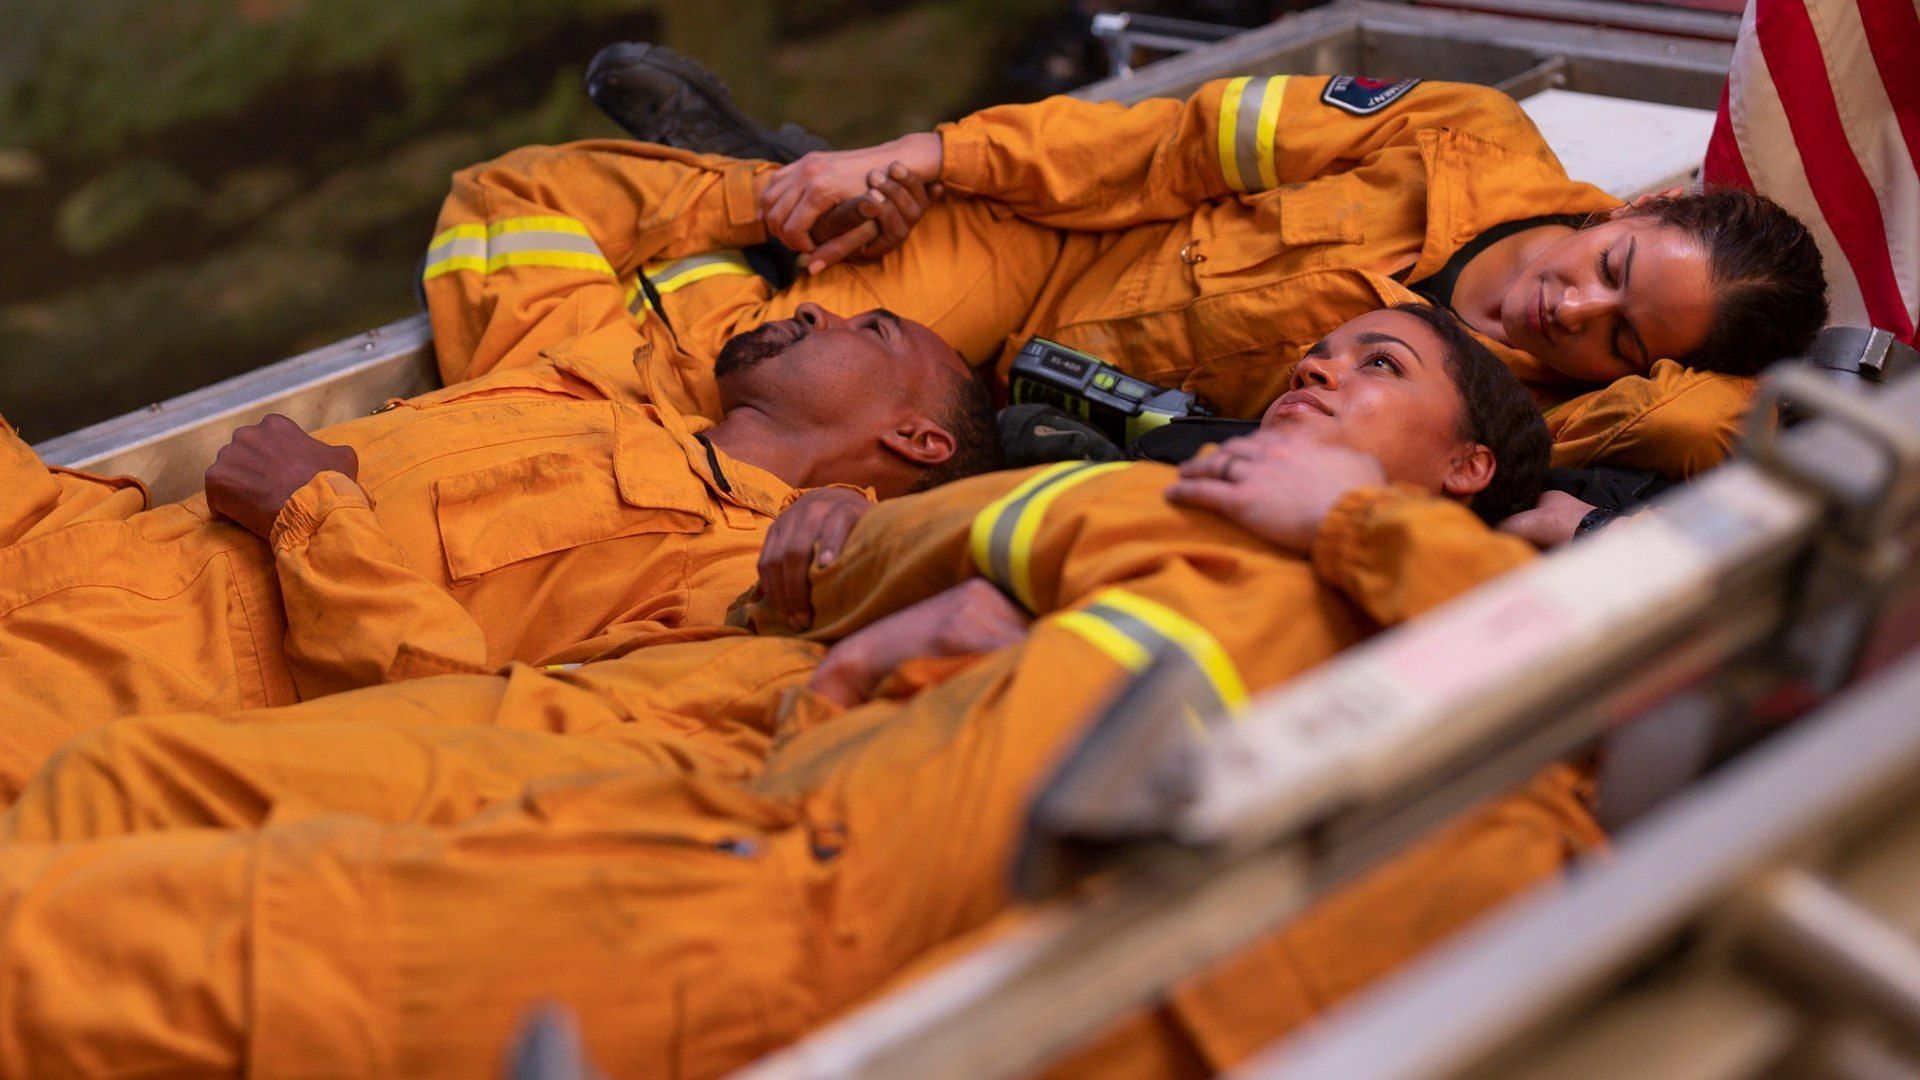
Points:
point(1822, 112)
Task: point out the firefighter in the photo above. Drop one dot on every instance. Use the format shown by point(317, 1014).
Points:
point(696, 920)
point(537, 513)
point(1205, 243)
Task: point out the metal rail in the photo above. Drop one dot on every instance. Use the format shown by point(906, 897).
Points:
point(1735, 869)
point(170, 444)
point(1601, 47)
point(1604, 47)
point(1219, 843)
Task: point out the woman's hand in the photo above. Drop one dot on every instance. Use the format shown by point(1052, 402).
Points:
point(809, 533)
point(972, 617)
point(798, 195)
point(1278, 486)
point(1551, 522)
point(865, 228)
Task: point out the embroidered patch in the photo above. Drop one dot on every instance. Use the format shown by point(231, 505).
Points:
point(1362, 96)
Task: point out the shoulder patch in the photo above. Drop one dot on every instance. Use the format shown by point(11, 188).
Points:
point(1362, 96)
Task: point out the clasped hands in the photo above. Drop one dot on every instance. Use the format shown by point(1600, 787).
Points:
point(834, 205)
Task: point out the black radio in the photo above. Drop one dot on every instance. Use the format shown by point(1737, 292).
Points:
point(1116, 404)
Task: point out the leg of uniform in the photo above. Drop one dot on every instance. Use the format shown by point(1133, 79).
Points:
point(429, 751)
point(336, 947)
point(109, 619)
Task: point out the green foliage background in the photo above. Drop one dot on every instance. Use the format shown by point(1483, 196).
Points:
point(193, 188)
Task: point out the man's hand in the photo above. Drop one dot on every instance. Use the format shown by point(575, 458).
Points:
point(972, 617)
point(1279, 487)
point(255, 475)
point(808, 534)
point(1551, 522)
point(799, 194)
point(865, 228)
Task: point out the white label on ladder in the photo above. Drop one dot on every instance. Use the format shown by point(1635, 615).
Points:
point(1404, 702)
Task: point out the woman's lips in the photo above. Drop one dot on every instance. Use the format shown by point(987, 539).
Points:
point(1297, 401)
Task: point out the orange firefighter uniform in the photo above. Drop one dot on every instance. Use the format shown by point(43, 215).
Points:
point(38, 498)
point(537, 513)
point(1204, 244)
point(695, 921)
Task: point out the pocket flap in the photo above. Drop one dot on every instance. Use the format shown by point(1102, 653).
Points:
point(542, 503)
point(1272, 223)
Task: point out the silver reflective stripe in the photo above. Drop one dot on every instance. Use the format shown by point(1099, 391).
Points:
point(1159, 645)
point(1000, 537)
point(539, 240)
point(1246, 133)
point(470, 247)
point(666, 276)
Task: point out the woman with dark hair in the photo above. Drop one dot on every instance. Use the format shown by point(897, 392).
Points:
point(1207, 243)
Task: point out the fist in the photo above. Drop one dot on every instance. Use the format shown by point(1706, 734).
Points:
point(809, 534)
point(254, 476)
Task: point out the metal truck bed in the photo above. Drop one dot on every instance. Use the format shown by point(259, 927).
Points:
point(1607, 50)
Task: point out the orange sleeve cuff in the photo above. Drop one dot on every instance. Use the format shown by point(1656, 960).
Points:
point(963, 158)
point(310, 505)
point(1341, 541)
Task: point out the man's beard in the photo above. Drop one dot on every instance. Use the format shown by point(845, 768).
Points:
point(748, 350)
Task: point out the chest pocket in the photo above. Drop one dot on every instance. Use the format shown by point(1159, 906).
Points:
point(1298, 227)
point(634, 482)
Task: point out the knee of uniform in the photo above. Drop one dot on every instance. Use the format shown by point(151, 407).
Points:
point(85, 789)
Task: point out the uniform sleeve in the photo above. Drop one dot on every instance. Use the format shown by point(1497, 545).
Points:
point(541, 245)
point(1675, 421)
point(1048, 537)
point(1397, 552)
point(351, 601)
point(1098, 166)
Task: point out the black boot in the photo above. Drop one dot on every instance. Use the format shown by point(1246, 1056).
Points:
point(659, 96)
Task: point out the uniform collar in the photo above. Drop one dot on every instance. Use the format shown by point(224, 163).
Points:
point(733, 482)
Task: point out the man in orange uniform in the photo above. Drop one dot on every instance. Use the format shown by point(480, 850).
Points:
point(1206, 243)
point(535, 514)
point(695, 922)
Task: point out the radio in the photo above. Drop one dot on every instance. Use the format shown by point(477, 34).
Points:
point(1114, 403)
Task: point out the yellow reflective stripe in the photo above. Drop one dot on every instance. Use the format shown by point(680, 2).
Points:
point(1229, 119)
point(452, 263)
point(701, 273)
point(1028, 524)
point(1001, 538)
point(1269, 126)
point(679, 273)
point(566, 260)
point(562, 667)
point(1191, 638)
point(539, 240)
point(980, 539)
point(637, 303)
point(506, 226)
point(1119, 648)
point(463, 247)
point(1133, 632)
point(458, 232)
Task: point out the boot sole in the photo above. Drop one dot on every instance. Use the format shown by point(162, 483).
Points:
point(706, 84)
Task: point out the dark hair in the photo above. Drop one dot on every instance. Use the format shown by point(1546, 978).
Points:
point(970, 420)
point(1496, 412)
point(1767, 274)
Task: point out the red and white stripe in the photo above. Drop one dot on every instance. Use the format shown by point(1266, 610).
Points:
point(1822, 112)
